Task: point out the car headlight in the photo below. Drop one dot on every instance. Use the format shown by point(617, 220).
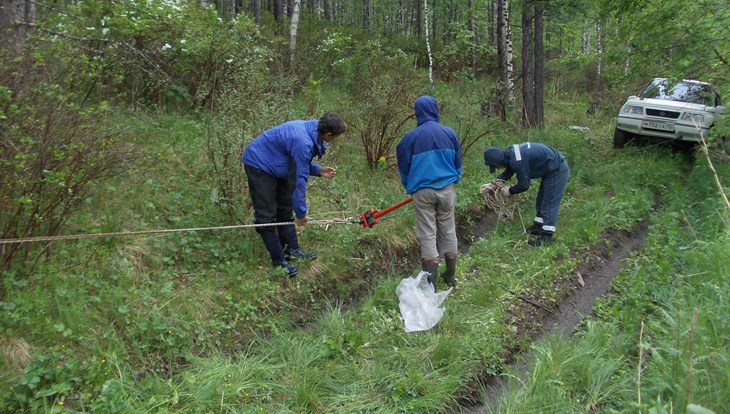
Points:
point(630, 109)
point(695, 118)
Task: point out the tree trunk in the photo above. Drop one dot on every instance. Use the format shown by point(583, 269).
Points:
point(493, 32)
point(327, 10)
point(472, 29)
point(599, 50)
point(278, 9)
point(428, 43)
point(539, 64)
point(365, 14)
point(504, 56)
point(257, 12)
point(16, 16)
point(529, 112)
point(293, 32)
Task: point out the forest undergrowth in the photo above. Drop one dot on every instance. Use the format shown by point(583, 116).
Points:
point(198, 322)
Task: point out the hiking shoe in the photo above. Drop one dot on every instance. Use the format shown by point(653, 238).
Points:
point(535, 229)
point(299, 254)
point(540, 240)
point(291, 270)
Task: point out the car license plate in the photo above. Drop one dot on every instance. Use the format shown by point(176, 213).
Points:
point(663, 126)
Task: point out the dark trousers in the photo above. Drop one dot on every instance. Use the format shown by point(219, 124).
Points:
point(272, 203)
point(549, 196)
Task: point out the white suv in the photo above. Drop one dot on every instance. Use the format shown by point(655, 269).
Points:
point(667, 110)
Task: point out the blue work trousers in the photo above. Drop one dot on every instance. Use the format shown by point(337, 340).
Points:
point(549, 196)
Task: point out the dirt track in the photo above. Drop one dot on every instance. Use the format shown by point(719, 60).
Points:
point(592, 279)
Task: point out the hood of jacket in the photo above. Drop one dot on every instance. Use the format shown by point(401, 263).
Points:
point(495, 157)
point(426, 109)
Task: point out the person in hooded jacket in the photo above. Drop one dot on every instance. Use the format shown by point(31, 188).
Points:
point(278, 164)
point(528, 161)
point(429, 162)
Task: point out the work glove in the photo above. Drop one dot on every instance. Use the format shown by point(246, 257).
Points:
point(487, 188)
point(505, 191)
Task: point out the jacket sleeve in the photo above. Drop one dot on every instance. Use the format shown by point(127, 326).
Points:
point(314, 169)
point(403, 154)
point(506, 174)
point(302, 156)
point(522, 170)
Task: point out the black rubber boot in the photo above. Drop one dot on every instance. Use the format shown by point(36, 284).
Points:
point(450, 274)
point(432, 267)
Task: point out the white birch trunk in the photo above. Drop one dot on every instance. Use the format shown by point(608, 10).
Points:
point(428, 42)
point(586, 41)
point(293, 31)
point(599, 49)
point(510, 74)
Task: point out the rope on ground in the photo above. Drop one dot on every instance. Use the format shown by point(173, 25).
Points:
point(143, 232)
point(495, 200)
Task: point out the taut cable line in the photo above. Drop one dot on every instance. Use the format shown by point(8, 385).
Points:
point(162, 231)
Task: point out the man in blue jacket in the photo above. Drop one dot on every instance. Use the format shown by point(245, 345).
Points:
point(529, 161)
point(429, 162)
point(278, 164)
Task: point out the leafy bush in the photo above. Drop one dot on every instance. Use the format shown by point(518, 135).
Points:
point(381, 85)
point(251, 102)
point(56, 142)
point(57, 379)
point(171, 54)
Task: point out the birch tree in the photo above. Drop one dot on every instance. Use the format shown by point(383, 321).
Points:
point(428, 43)
point(293, 31)
point(505, 54)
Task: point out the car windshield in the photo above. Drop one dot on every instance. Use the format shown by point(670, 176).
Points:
point(692, 92)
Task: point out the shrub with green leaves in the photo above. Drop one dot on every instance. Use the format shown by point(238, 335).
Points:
point(56, 142)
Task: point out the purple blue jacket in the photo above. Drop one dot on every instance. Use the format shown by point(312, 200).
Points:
point(285, 149)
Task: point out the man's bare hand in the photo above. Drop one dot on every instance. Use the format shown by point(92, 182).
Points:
point(301, 221)
point(327, 172)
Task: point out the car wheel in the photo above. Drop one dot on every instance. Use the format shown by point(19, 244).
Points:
point(619, 138)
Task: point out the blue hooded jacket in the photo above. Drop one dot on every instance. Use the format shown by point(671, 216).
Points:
point(293, 145)
point(429, 156)
point(528, 160)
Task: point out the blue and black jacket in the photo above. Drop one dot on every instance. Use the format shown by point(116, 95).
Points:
point(291, 145)
point(429, 156)
point(528, 160)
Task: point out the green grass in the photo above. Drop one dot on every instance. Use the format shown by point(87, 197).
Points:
point(668, 307)
point(198, 322)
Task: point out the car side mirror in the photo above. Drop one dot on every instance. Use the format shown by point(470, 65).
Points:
point(717, 110)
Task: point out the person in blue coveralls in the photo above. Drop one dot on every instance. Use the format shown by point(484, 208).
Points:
point(278, 164)
point(529, 161)
point(429, 162)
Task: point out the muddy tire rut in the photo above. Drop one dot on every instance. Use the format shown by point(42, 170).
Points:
point(577, 294)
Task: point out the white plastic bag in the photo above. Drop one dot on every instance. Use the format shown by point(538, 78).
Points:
point(420, 305)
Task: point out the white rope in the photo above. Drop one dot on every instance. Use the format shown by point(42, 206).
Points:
point(496, 200)
point(142, 232)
